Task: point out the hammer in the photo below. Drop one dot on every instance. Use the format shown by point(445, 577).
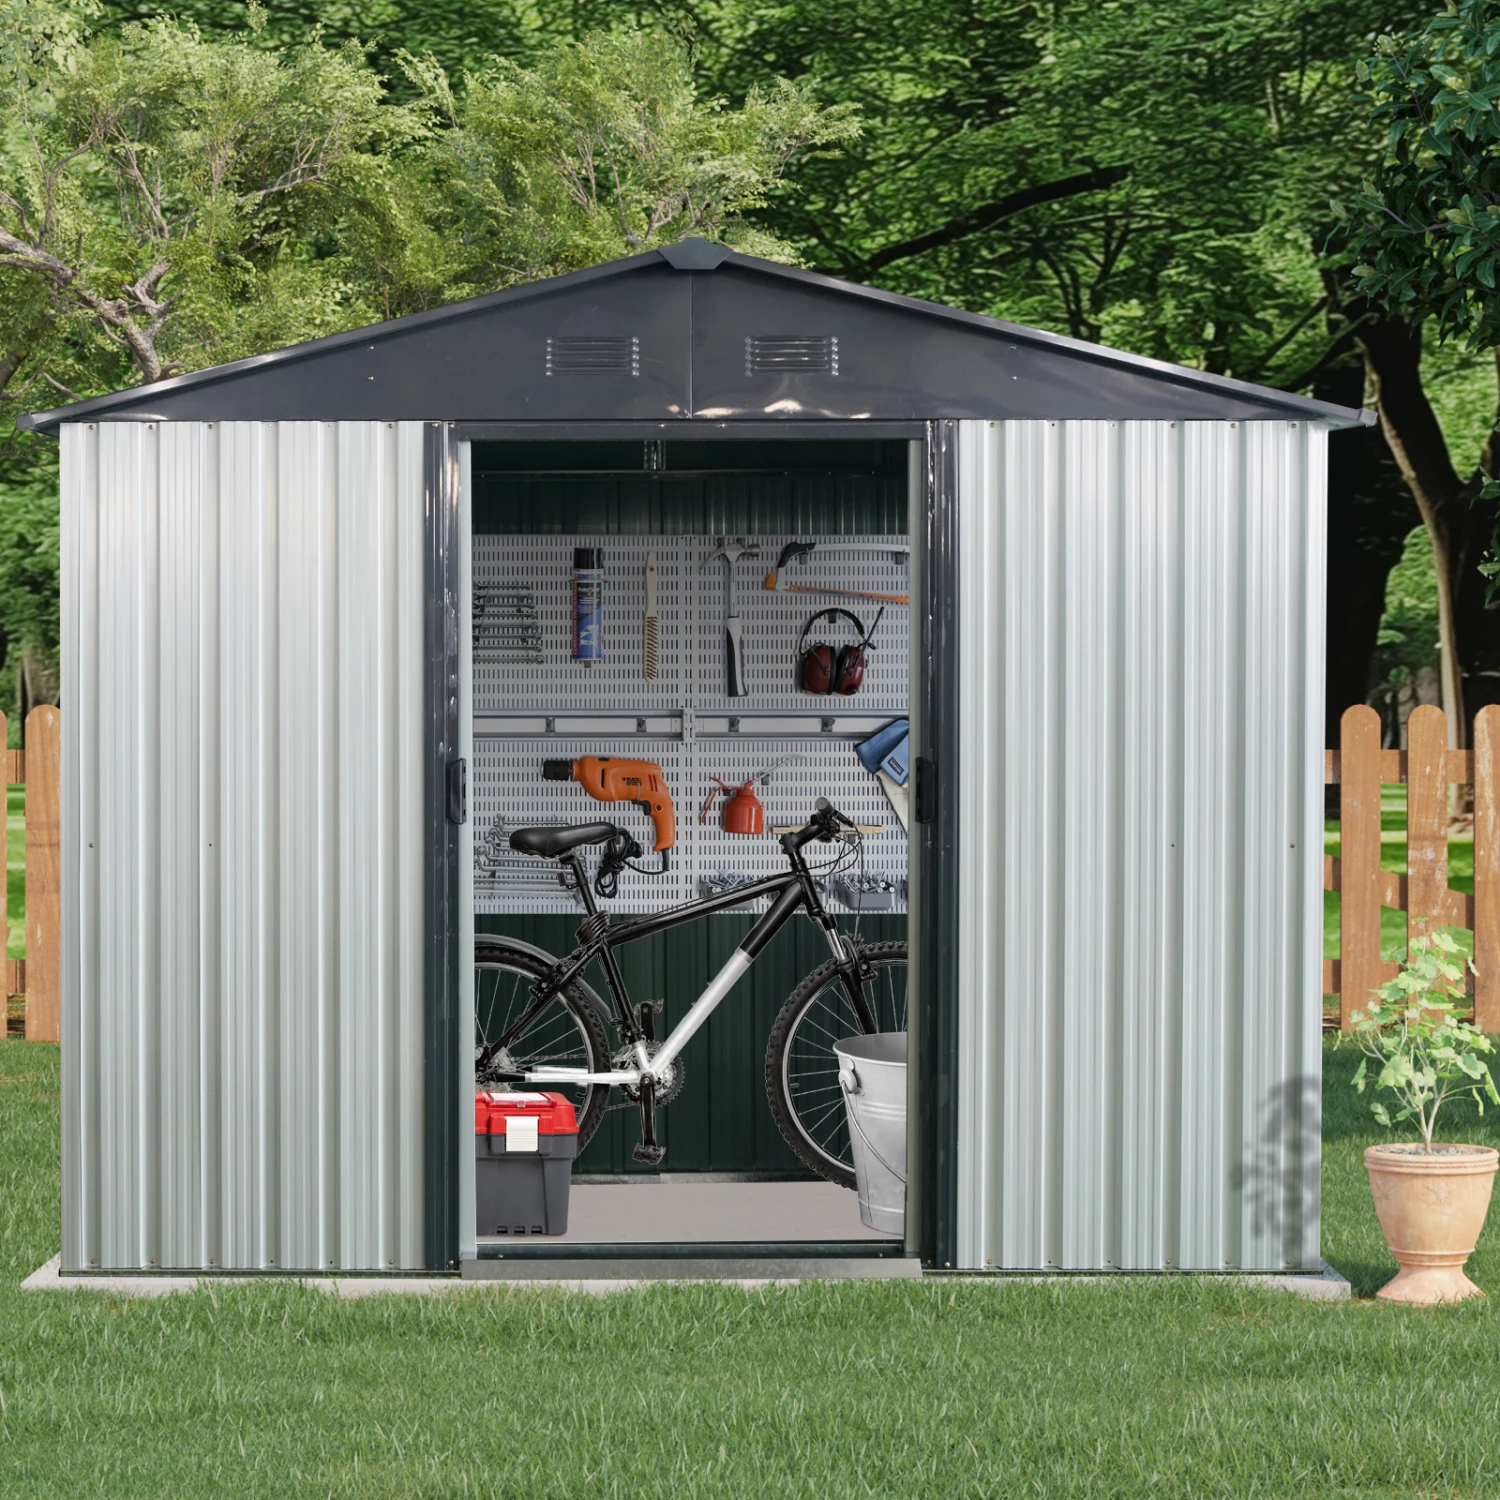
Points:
point(730, 552)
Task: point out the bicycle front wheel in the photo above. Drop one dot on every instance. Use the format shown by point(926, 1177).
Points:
point(567, 1032)
point(802, 1072)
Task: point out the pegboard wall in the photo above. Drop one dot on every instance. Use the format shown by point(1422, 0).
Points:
point(507, 790)
point(690, 602)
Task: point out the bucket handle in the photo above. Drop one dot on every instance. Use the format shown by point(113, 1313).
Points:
point(849, 1081)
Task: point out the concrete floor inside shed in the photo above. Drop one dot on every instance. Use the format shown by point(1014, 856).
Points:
point(674, 1210)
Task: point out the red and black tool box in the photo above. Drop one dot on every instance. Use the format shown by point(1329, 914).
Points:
point(524, 1145)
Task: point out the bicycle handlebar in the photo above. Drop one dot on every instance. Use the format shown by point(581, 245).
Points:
point(824, 824)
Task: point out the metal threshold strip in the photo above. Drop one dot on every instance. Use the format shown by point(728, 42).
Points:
point(521, 1249)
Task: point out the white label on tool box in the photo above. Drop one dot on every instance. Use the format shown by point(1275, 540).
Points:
point(520, 1133)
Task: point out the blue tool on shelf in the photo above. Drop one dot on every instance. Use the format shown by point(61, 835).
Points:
point(886, 750)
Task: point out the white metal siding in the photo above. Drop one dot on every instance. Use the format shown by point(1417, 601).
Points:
point(242, 845)
point(1140, 732)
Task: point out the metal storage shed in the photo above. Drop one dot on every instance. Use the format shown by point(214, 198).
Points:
point(1117, 646)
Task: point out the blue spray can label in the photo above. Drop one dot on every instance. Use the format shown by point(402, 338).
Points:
point(588, 604)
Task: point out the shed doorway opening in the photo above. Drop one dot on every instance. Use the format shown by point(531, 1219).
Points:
point(705, 612)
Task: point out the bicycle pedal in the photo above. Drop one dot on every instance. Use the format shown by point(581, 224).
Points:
point(651, 1156)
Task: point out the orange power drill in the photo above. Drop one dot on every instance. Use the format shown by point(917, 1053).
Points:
point(606, 778)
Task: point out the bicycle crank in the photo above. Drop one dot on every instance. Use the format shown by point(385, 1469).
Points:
point(667, 1088)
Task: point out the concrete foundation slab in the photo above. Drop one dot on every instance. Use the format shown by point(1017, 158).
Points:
point(609, 1276)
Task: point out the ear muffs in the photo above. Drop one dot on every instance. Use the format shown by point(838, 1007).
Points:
point(822, 668)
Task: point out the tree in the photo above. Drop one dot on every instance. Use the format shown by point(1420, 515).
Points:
point(1424, 228)
point(605, 148)
point(162, 193)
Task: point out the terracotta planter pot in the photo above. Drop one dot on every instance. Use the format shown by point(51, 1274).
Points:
point(1431, 1207)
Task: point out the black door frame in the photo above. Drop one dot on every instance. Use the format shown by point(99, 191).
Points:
point(932, 1202)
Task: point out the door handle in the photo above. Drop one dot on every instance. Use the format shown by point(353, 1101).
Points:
point(458, 791)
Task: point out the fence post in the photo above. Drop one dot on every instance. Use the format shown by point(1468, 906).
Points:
point(1487, 867)
point(1426, 820)
point(43, 876)
point(1359, 859)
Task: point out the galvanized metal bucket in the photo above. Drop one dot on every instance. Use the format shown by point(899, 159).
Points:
point(872, 1074)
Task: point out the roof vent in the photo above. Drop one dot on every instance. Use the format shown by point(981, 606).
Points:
point(774, 353)
point(607, 354)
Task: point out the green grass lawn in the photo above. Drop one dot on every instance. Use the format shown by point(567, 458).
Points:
point(1135, 1387)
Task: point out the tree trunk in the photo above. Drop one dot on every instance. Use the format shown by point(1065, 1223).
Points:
point(1468, 634)
point(1370, 513)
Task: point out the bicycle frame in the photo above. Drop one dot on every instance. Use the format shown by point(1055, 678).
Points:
point(791, 891)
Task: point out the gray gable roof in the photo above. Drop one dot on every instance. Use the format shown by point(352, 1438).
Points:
point(695, 332)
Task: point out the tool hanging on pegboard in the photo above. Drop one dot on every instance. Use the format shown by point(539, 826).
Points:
point(729, 552)
point(743, 811)
point(506, 628)
point(779, 579)
point(651, 625)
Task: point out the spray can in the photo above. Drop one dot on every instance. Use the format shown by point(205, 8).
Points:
point(588, 605)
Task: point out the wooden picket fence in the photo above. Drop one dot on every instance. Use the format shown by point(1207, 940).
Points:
point(1428, 768)
point(37, 978)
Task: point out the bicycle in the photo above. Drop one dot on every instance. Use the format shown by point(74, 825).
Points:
point(547, 1030)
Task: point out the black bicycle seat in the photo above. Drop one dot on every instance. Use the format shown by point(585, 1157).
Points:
point(553, 842)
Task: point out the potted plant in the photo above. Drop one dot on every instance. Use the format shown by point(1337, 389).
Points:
point(1431, 1199)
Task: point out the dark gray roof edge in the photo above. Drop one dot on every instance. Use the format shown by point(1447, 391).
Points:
point(701, 255)
point(1323, 411)
point(41, 421)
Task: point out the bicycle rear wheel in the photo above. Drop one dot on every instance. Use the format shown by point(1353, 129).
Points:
point(567, 1033)
point(802, 1072)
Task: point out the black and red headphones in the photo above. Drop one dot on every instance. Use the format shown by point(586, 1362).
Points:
point(822, 668)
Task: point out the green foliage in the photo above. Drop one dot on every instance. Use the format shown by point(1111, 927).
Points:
point(1408, 639)
point(164, 195)
point(1489, 564)
point(1425, 226)
point(1426, 1052)
point(605, 148)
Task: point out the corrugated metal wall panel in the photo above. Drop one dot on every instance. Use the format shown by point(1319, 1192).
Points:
point(242, 845)
point(1139, 740)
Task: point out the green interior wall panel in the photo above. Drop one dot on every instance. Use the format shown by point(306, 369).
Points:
point(847, 500)
point(721, 1121)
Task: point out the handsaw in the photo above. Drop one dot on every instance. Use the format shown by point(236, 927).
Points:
point(779, 581)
